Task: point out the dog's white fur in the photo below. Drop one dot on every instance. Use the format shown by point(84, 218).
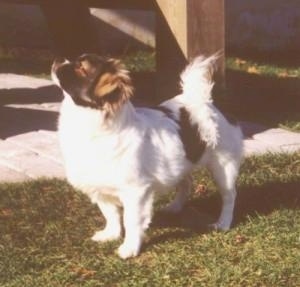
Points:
point(120, 162)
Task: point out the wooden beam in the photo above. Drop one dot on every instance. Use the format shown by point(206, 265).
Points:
point(186, 29)
point(108, 4)
point(122, 4)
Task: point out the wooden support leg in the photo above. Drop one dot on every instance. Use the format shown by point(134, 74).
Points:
point(185, 29)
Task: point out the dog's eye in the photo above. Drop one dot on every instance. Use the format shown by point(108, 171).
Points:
point(77, 65)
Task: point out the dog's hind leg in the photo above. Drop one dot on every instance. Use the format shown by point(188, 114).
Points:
point(183, 190)
point(225, 174)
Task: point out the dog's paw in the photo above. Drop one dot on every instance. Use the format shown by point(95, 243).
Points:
point(105, 235)
point(127, 251)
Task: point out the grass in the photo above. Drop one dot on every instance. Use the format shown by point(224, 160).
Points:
point(46, 225)
point(140, 61)
point(32, 62)
point(254, 67)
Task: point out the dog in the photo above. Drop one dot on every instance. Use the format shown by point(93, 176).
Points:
point(119, 154)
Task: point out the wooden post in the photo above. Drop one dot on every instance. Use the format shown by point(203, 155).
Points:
point(185, 29)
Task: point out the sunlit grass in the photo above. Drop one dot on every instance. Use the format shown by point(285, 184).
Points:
point(252, 67)
point(46, 227)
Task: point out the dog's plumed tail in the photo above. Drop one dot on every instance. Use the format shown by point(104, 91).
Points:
point(197, 83)
point(197, 79)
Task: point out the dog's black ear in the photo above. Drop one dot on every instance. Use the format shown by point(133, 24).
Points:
point(113, 88)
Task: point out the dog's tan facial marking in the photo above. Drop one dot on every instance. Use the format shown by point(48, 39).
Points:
point(106, 84)
point(113, 88)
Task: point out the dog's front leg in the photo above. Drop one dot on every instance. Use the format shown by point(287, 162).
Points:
point(137, 217)
point(112, 229)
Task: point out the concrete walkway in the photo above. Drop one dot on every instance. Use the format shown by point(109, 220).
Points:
point(29, 146)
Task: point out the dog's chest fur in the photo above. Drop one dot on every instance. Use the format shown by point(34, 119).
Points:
point(92, 156)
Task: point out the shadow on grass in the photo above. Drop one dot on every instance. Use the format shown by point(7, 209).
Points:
point(39, 95)
point(261, 98)
point(251, 201)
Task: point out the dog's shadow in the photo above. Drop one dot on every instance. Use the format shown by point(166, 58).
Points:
point(199, 213)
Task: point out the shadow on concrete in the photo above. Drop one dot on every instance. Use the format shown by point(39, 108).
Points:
point(19, 120)
point(45, 94)
point(23, 66)
point(16, 121)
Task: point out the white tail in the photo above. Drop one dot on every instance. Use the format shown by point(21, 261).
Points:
point(196, 79)
point(197, 83)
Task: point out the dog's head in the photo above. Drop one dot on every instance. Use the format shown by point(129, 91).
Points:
point(93, 81)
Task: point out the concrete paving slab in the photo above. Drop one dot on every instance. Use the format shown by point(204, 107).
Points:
point(10, 81)
point(53, 107)
point(253, 147)
point(33, 165)
point(275, 140)
point(42, 144)
point(8, 149)
point(282, 137)
point(9, 175)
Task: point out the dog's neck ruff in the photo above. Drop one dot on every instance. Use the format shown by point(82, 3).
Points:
point(96, 119)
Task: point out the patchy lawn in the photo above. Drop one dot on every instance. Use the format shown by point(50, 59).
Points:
point(46, 225)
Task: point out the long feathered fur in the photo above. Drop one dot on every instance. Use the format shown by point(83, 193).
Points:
point(197, 84)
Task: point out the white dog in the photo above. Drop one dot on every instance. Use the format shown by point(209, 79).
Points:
point(119, 155)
